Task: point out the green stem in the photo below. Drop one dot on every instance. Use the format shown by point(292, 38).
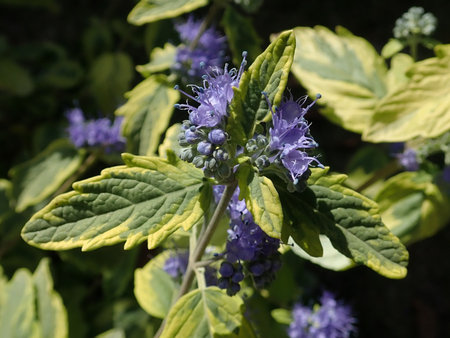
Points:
point(210, 16)
point(388, 170)
point(202, 243)
point(413, 45)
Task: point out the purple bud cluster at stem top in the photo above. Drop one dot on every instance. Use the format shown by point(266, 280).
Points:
point(208, 52)
point(203, 138)
point(330, 319)
point(94, 133)
point(249, 250)
point(284, 150)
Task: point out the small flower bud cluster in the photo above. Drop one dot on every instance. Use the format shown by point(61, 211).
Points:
point(95, 133)
point(331, 318)
point(408, 159)
point(414, 22)
point(202, 138)
point(249, 250)
point(284, 151)
point(209, 51)
point(206, 148)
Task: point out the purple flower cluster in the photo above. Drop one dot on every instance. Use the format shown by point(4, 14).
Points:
point(285, 150)
point(290, 138)
point(330, 319)
point(209, 51)
point(176, 265)
point(94, 133)
point(203, 139)
point(408, 159)
point(247, 246)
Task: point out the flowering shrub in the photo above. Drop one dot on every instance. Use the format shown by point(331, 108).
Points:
point(209, 185)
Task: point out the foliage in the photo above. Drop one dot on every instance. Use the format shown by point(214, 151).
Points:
point(236, 185)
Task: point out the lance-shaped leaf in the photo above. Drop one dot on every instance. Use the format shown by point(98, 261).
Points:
point(51, 311)
point(148, 198)
point(420, 108)
point(153, 10)
point(345, 68)
point(263, 202)
point(154, 288)
point(352, 223)
point(147, 114)
point(205, 312)
point(412, 206)
point(170, 142)
point(35, 180)
point(17, 307)
point(269, 74)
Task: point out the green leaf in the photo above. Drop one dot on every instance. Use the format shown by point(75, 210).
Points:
point(269, 73)
point(397, 74)
point(345, 68)
point(412, 206)
point(17, 310)
point(241, 35)
point(161, 59)
point(62, 74)
point(352, 223)
point(110, 77)
point(14, 78)
point(263, 202)
point(208, 312)
point(392, 47)
point(154, 288)
point(147, 114)
point(37, 179)
point(153, 10)
point(282, 316)
point(419, 108)
point(5, 196)
point(51, 311)
point(170, 142)
point(148, 198)
point(442, 50)
point(331, 258)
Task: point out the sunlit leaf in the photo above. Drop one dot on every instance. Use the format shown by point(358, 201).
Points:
point(412, 206)
point(153, 10)
point(345, 69)
point(208, 312)
point(154, 288)
point(147, 114)
point(160, 59)
point(419, 108)
point(149, 198)
point(351, 221)
point(37, 179)
point(269, 74)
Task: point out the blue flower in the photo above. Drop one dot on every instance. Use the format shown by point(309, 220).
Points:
point(213, 97)
point(331, 319)
point(176, 265)
point(290, 137)
point(408, 159)
point(209, 51)
point(94, 133)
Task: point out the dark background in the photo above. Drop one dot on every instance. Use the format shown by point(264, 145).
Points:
point(418, 306)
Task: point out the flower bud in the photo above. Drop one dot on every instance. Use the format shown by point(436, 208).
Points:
point(198, 161)
point(217, 136)
point(205, 148)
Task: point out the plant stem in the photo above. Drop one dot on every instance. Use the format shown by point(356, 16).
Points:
point(211, 14)
point(202, 243)
point(388, 170)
